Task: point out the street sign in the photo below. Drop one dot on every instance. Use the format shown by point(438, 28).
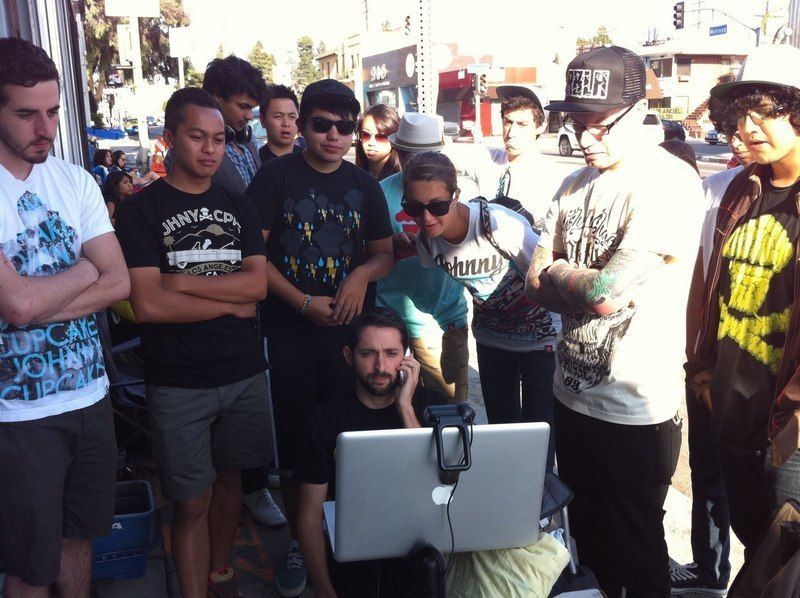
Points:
point(126, 8)
point(477, 68)
point(718, 30)
point(125, 43)
point(181, 42)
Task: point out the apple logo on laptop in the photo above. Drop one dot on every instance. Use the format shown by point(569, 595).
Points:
point(441, 494)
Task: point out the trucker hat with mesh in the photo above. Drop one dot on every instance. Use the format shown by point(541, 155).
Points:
point(603, 79)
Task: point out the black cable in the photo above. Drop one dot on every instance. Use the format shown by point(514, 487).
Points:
point(449, 500)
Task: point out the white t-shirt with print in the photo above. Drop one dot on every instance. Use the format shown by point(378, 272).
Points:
point(48, 369)
point(503, 317)
point(714, 187)
point(532, 180)
point(627, 367)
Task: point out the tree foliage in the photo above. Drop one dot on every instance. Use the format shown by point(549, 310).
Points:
point(102, 47)
point(601, 38)
point(155, 40)
point(306, 69)
point(194, 78)
point(262, 60)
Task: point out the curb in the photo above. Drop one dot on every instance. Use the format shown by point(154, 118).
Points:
point(714, 159)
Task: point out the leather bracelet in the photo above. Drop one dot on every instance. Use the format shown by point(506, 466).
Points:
point(306, 304)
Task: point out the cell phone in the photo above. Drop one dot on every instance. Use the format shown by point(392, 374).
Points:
point(403, 374)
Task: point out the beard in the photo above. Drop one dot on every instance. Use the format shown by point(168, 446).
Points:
point(28, 153)
point(377, 389)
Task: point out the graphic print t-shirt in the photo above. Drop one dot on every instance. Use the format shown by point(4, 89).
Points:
point(756, 290)
point(319, 226)
point(627, 367)
point(504, 317)
point(206, 234)
point(47, 369)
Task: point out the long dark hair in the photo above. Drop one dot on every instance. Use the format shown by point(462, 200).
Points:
point(112, 182)
point(386, 121)
point(99, 157)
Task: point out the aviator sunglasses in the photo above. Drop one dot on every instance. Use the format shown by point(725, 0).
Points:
point(415, 209)
point(365, 136)
point(320, 124)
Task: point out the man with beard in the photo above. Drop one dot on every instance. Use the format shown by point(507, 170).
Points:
point(59, 264)
point(382, 400)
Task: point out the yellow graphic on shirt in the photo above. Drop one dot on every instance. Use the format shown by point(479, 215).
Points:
point(757, 251)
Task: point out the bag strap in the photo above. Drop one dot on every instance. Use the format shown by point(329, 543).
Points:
point(486, 228)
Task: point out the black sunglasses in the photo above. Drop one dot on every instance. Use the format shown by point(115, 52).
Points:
point(415, 209)
point(320, 124)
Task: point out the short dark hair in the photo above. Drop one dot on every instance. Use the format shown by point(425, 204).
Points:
point(726, 111)
point(175, 111)
point(431, 166)
point(523, 103)
point(338, 105)
point(225, 77)
point(23, 63)
point(275, 91)
point(378, 317)
point(99, 157)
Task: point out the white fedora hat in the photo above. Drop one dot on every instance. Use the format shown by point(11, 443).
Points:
point(419, 133)
point(771, 66)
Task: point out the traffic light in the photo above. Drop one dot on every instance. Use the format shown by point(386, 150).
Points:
point(408, 26)
point(677, 15)
point(483, 86)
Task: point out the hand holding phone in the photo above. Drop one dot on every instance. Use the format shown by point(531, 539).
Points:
point(403, 376)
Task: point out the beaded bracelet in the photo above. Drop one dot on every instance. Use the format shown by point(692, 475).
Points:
point(306, 304)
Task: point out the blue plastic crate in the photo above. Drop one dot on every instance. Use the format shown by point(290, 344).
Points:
point(123, 553)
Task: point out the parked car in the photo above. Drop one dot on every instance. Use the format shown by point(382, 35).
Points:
point(259, 133)
point(567, 142)
point(673, 129)
point(713, 137)
point(451, 130)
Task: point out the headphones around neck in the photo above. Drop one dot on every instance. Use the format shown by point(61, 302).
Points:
point(243, 136)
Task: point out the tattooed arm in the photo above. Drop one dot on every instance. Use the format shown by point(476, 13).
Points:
point(539, 286)
point(608, 290)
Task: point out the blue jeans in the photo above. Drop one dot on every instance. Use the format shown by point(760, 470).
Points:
point(755, 489)
point(503, 372)
point(711, 522)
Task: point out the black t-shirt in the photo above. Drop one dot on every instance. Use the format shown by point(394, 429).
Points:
point(206, 234)
point(756, 290)
point(267, 154)
point(319, 225)
point(345, 413)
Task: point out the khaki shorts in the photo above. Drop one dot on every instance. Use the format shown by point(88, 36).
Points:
point(199, 431)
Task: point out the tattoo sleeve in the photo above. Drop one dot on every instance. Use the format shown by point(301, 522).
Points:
point(608, 290)
point(539, 287)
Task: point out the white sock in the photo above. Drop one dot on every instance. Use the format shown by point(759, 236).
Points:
point(294, 544)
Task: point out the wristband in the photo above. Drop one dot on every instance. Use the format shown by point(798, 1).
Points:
point(306, 304)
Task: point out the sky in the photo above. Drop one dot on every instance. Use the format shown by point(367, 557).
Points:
point(512, 30)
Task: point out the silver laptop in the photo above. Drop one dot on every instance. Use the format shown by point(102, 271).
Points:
point(389, 497)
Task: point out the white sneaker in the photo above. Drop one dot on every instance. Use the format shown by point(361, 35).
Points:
point(263, 509)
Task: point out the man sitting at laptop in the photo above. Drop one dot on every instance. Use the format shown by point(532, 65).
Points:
point(386, 397)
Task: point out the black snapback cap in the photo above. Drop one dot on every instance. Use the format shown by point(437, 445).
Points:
point(603, 79)
point(330, 88)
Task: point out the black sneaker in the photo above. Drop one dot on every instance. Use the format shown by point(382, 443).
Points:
point(685, 579)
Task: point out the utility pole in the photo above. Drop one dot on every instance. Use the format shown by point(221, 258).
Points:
point(427, 77)
point(138, 81)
